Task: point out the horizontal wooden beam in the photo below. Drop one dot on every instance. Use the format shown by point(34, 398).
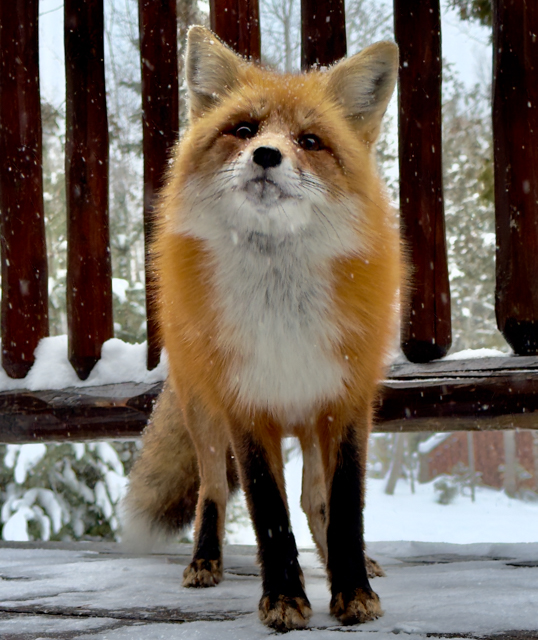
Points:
point(447, 368)
point(459, 404)
point(460, 395)
point(450, 395)
point(118, 411)
point(435, 425)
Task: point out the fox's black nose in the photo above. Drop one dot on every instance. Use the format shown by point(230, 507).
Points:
point(267, 157)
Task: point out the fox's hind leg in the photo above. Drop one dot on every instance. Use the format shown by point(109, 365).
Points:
point(212, 444)
point(283, 604)
point(314, 494)
point(164, 482)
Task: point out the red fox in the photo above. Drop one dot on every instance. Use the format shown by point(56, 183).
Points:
point(278, 263)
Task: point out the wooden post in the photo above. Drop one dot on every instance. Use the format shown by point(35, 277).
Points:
point(535, 458)
point(515, 135)
point(22, 229)
point(160, 127)
point(237, 23)
point(510, 461)
point(472, 465)
point(323, 32)
point(426, 331)
point(410, 464)
point(396, 467)
point(89, 284)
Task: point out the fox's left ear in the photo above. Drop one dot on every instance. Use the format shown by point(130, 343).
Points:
point(363, 85)
point(212, 69)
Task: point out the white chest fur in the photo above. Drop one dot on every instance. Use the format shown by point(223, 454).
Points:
point(275, 300)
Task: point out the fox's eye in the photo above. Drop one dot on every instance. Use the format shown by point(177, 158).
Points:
point(310, 142)
point(245, 130)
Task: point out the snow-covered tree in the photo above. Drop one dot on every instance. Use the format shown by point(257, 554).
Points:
point(62, 491)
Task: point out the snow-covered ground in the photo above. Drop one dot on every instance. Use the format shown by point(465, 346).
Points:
point(94, 592)
point(492, 518)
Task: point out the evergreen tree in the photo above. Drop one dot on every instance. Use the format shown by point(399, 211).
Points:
point(480, 10)
point(62, 491)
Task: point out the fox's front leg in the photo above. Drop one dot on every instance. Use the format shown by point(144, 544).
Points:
point(283, 604)
point(211, 442)
point(344, 456)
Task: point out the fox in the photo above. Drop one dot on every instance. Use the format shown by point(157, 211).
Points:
point(278, 266)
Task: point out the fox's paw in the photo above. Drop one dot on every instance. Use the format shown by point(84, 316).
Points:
point(203, 573)
point(373, 568)
point(284, 613)
point(362, 605)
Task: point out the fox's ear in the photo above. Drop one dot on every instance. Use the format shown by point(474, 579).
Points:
point(363, 84)
point(212, 69)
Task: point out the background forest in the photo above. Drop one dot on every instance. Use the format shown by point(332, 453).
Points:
point(70, 491)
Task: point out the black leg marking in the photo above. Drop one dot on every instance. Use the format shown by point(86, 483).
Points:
point(352, 599)
point(277, 549)
point(208, 543)
point(345, 531)
point(205, 570)
point(284, 604)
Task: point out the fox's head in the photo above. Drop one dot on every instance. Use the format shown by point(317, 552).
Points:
point(271, 157)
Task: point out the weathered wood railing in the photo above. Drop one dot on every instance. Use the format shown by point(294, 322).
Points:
point(498, 393)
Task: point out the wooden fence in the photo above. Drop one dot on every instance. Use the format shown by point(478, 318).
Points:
point(499, 393)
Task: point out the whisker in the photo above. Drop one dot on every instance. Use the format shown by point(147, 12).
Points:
point(326, 218)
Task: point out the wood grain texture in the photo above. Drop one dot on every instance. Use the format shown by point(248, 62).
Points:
point(426, 331)
point(22, 225)
point(237, 23)
point(89, 271)
point(515, 134)
point(160, 128)
point(113, 411)
point(323, 32)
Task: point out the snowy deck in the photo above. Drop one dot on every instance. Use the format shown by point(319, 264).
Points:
point(89, 591)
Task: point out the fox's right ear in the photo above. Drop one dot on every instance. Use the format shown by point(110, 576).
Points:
point(212, 69)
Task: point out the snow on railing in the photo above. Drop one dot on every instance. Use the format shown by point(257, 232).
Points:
point(120, 362)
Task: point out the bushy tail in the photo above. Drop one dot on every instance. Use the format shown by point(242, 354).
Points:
point(164, 481)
